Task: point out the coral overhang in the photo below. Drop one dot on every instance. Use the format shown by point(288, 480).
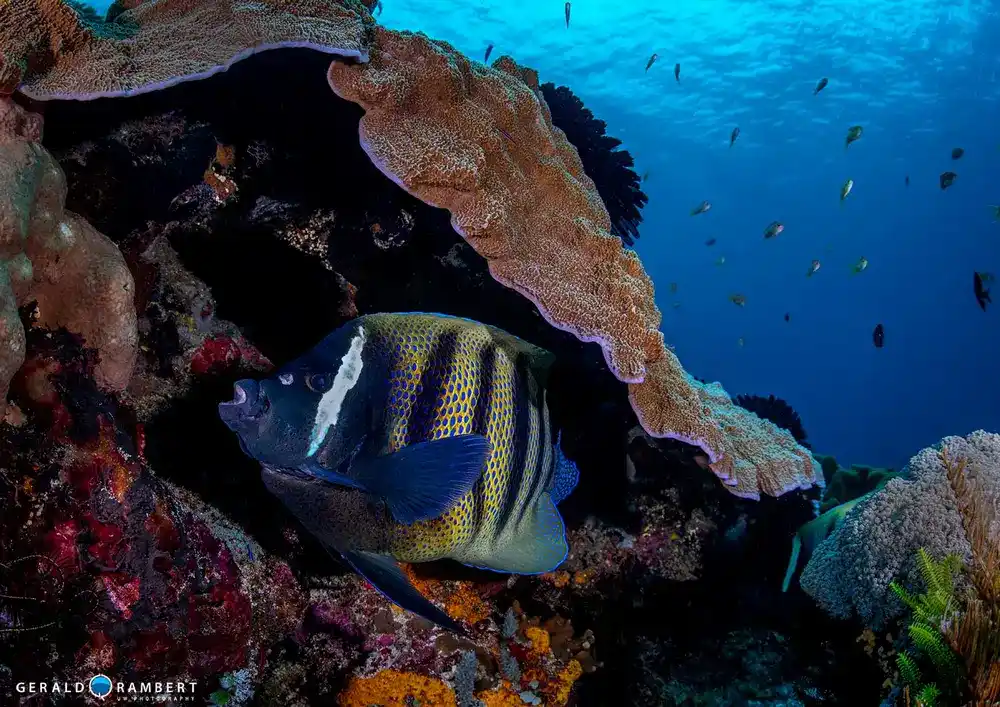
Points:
point(479, 141)
point(56, 50)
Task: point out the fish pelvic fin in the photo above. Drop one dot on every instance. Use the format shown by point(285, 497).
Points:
point(385, 574)
point(793, 562)
point(425, 479)
point(564, 478)
point(535, 545)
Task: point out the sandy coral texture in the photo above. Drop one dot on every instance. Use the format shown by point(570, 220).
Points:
point(157, 43)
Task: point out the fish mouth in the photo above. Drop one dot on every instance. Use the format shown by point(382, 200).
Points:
point(249, 403)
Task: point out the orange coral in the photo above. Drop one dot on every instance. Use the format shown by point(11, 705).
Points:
point(391, 687)
point(76, 275)
point(539, 638)
point(460, 599)
point(479, 141)
point(157, 44)
point(501, 697)
point(563, 684)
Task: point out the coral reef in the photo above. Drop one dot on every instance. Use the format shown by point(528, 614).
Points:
point(466, 137)
point(850, 572)
point(56, 49)
point(777, 411)
point(225, 286)
point(75, 276)
point(609, 168)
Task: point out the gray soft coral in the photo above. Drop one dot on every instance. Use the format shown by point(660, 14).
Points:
point(849, 573)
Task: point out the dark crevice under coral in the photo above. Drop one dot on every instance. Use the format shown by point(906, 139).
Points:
point(609, 167)
point(309, 210)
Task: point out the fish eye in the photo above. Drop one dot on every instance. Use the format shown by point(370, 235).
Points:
point(318, 382)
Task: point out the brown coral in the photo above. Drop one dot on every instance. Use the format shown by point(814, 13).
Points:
point(64, 54)
point(53, 257)
point(479, 141)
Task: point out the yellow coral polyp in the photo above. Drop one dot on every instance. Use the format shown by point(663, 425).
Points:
point(504, 696)
point(539, 638)
point(565, 681)
point(390, 688)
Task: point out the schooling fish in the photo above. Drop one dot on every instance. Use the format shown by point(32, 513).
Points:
point(821, 85)
point(907, 182)
point(861, 265)
point(947, 179)
point(854, 134)
point(738, 300)
point(701, 208)
point(651, 61)
point(982, 294)
point(721, 260)
point(773, 229)
point(409, 438)
point(732, 137)
point(878, 336)
point(788, 317)
point(846, 189)
point(996, 212)
point(956, 153)
point(489, 50)
point(813, 267)
point(567, 15)
point(710, 242)
point(673, 288)
point(677, 72)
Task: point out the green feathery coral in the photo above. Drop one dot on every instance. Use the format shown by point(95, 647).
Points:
point(932, 610)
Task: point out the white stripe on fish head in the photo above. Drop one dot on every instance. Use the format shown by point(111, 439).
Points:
point(328, 409)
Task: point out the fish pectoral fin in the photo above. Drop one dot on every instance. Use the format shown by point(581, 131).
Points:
point(535, 545)
point(424, 480)
point(313, 468)
point(385, 574)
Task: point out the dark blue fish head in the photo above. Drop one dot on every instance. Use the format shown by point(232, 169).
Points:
point(316, 407)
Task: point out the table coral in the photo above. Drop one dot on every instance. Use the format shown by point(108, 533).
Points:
point(479, 141)
point(76, 276)
point(66, 51)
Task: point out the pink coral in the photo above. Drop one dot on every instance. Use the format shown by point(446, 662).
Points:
point(76, 275)
point(479, 141)
point(157, 44)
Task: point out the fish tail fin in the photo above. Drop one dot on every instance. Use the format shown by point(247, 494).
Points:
point(793, 563)
point(534, 544)
point(565, 476)
point(423, 480)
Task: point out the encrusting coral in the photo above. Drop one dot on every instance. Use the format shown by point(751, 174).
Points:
point(479, 141)
point(76, 276)
point(65, 51)
point(609, 167)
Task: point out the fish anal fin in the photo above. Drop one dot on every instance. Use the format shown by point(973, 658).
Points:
point(385, 574)
point(536, 545)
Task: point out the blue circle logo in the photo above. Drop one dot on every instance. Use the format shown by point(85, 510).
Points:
point(100, 686)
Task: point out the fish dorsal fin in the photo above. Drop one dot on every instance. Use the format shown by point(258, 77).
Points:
point(539, 360)
point(385, 574)
point(534, 545)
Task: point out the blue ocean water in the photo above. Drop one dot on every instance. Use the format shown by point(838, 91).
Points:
point(920, 76)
